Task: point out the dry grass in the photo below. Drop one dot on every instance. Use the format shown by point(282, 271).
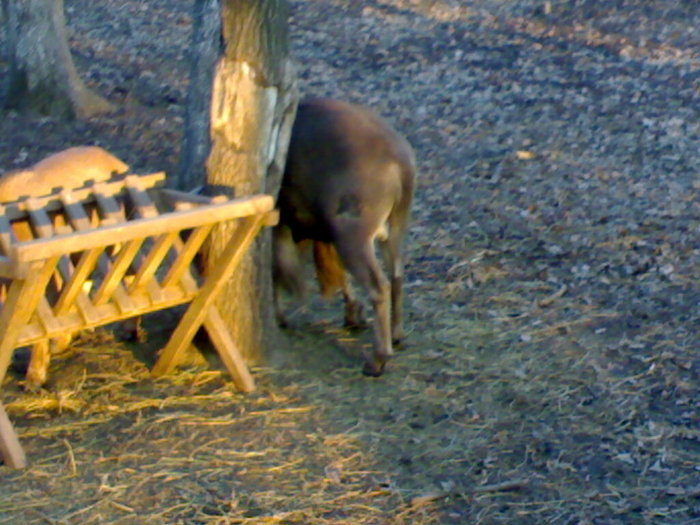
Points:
point(107, 444)
point(539, 417)
point(550, 374)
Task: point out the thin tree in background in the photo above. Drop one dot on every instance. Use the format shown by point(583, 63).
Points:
point(42, 76)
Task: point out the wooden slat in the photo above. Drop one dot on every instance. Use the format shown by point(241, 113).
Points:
point(112, 280)
point(87, 310)
point(176, 196)
point(184, 206)
point(152, 180)
point(17, 210)
point(75, 211)
point(179, 264)
point(272, 218)
point(46, 317)
point(81, 222)
point(105, 313)
point(155, 292)
point(10, 448)
point(7, 234)
point(44, 248)
point(155, 257)
point(110, 210)
point(8, 269)
point(144, 207)
point(74, 287)
point(140, 199)
point(193, 318)
point(39, 219)
point(124, 301)
point(186, 252)
point(186, 280)
point(43, 226)
point(72, 291)
point(71, 321)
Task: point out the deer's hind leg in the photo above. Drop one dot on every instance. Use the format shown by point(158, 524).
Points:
point(286, 269)
point(391, 249)
point(38, 369)
point(331, 276)
point(358, 255)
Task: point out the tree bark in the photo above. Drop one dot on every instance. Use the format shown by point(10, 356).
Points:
point(205, 50)
point(254, 98)
point(42, 76)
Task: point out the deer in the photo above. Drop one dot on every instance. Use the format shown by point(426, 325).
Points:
point(348, 185)
point(70, 168)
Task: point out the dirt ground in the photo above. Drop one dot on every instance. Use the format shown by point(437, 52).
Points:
point(551, 371)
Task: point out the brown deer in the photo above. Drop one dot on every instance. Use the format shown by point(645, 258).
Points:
point(69, 168)
point(348, 181)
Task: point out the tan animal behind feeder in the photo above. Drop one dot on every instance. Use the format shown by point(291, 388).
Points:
point(348, 182)
point(70, 168)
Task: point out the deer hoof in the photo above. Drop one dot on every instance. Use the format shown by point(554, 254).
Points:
point(21, 359)
point(134, 336)
point(32, 387)
point(398, 342)
point(355, 324)
point(34, 380)
point(398, 335)
point(374, 367)
point(354, 316)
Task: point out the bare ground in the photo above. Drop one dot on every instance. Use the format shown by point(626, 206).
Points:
point(550, 374)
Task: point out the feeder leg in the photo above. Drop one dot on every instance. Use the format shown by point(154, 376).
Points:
point(228, 351)
point(10, 448)
point(199, 308)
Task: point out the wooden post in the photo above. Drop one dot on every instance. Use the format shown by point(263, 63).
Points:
point(10, 449)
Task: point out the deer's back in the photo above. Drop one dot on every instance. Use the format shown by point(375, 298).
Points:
point(345, 166)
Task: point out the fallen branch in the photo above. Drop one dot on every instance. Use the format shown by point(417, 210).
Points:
point(515, 484)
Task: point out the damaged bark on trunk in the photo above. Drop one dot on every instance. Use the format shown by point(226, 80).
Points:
point(253, 104)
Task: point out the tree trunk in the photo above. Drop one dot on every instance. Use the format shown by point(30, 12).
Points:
point(205, 51)
point(254, 98)
point(42, 75)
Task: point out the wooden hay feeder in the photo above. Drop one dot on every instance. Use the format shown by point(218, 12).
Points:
point(115, 250)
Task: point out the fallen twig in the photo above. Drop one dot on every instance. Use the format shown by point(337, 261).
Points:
point(514, 484)
point(547, 301)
